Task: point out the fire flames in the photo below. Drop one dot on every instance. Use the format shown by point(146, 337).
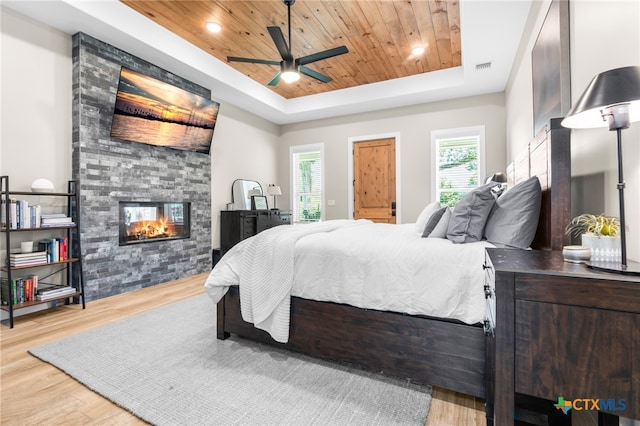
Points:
point(150, 229)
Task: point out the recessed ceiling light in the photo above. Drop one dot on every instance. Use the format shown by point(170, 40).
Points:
point(214, 27)
point(417, 51)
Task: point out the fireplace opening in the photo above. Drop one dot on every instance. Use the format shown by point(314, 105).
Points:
point(144, 222)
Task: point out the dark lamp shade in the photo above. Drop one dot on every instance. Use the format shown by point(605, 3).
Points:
point(497, 177)
point(617, 86)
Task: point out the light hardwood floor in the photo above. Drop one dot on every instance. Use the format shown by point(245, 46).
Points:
point(36, 393)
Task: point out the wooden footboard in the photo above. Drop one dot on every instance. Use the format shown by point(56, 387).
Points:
point(425, 350)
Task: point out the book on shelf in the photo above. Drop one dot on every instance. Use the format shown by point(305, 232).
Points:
point(14, 213)
point(28, 262)
point(28, 259)
point(26, 215)
point(57, 249)
point(56, 219)
point(29, 289)
point(12, 221)
point(53, 215)
point(23, 215)
point(53, 291)
point(23, 289)
point(57, 225)
point(35, 216)
point(27, 255)
point(62, 219)
point(20, 206)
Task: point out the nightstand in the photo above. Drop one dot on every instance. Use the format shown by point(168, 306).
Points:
point(563, 330)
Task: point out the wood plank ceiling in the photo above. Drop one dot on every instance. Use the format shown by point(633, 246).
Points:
point(378, 34)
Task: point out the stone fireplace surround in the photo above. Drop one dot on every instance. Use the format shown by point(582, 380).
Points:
point(108, 171)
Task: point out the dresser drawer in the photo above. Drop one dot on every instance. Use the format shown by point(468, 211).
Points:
point(238, 225)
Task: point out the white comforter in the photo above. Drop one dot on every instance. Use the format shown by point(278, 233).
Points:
point(360, 263)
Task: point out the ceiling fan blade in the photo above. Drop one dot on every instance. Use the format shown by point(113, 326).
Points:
point(252, 61)
point(279, 41)
point(323, 55)
point(275, 80)
point(311, 73)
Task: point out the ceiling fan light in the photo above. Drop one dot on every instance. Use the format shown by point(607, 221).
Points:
point(214, 27)
point(418, 50)
point(290, 76)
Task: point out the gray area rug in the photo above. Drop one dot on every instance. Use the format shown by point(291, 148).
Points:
point(167, 367)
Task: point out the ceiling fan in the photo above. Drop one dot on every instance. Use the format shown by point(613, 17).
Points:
point(291, 68)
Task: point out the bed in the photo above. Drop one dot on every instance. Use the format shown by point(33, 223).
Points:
point(451, 352)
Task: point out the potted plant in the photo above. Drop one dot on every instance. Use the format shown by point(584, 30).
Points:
point(600, 233)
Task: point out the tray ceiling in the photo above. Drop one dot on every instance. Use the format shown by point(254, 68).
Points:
point(380, 36)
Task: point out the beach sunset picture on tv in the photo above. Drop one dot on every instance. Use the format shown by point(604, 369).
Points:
point(153, 112)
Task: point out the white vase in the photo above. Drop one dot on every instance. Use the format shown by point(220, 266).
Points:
point(603, 249)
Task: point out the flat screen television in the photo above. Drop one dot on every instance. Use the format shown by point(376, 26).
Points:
point(156, 113)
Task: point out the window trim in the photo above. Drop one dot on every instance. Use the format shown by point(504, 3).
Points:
point(460, 132)
point(297, 149)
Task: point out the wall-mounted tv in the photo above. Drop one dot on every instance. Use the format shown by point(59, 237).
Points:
point(153, 112)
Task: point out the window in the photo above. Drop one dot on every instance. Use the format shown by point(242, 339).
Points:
point(459, 162)
point(307, 179)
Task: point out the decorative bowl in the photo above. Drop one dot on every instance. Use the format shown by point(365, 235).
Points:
point(576, 254)
point(41, 185)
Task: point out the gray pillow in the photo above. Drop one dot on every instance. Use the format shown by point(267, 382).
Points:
point(438, 224)
point(470, 215)
point(514, 218)
point(424, 216)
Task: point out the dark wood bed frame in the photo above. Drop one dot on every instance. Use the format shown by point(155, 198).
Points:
point(426, 350)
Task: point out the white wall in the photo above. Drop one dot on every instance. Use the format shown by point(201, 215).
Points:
point(35, 108)
point(35, 102)
point(604, 35)
point(414, 125)
point(244, 147)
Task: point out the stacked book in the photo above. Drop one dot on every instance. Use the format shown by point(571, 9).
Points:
point(55, 219)
point(52, 291)
point(22, 289)
point(57, 249)
point(21, 214)
point(35, 258)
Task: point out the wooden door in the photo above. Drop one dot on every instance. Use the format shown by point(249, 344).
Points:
point(374, 184)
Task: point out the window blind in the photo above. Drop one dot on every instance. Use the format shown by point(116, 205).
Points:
point(457, 168)
point(307, 186)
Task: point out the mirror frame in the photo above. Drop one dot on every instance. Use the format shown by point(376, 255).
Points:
point(242, 187)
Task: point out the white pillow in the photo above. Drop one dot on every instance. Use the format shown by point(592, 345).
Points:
point(424, 216)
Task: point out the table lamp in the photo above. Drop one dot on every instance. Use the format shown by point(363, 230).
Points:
point(497, 177)
point(275, 191)
point(612, 99)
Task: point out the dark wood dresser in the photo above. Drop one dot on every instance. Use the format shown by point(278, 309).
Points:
point(236, 225)
point(563, 330)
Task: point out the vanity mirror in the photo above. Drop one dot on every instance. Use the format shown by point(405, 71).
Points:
point(241, 192)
